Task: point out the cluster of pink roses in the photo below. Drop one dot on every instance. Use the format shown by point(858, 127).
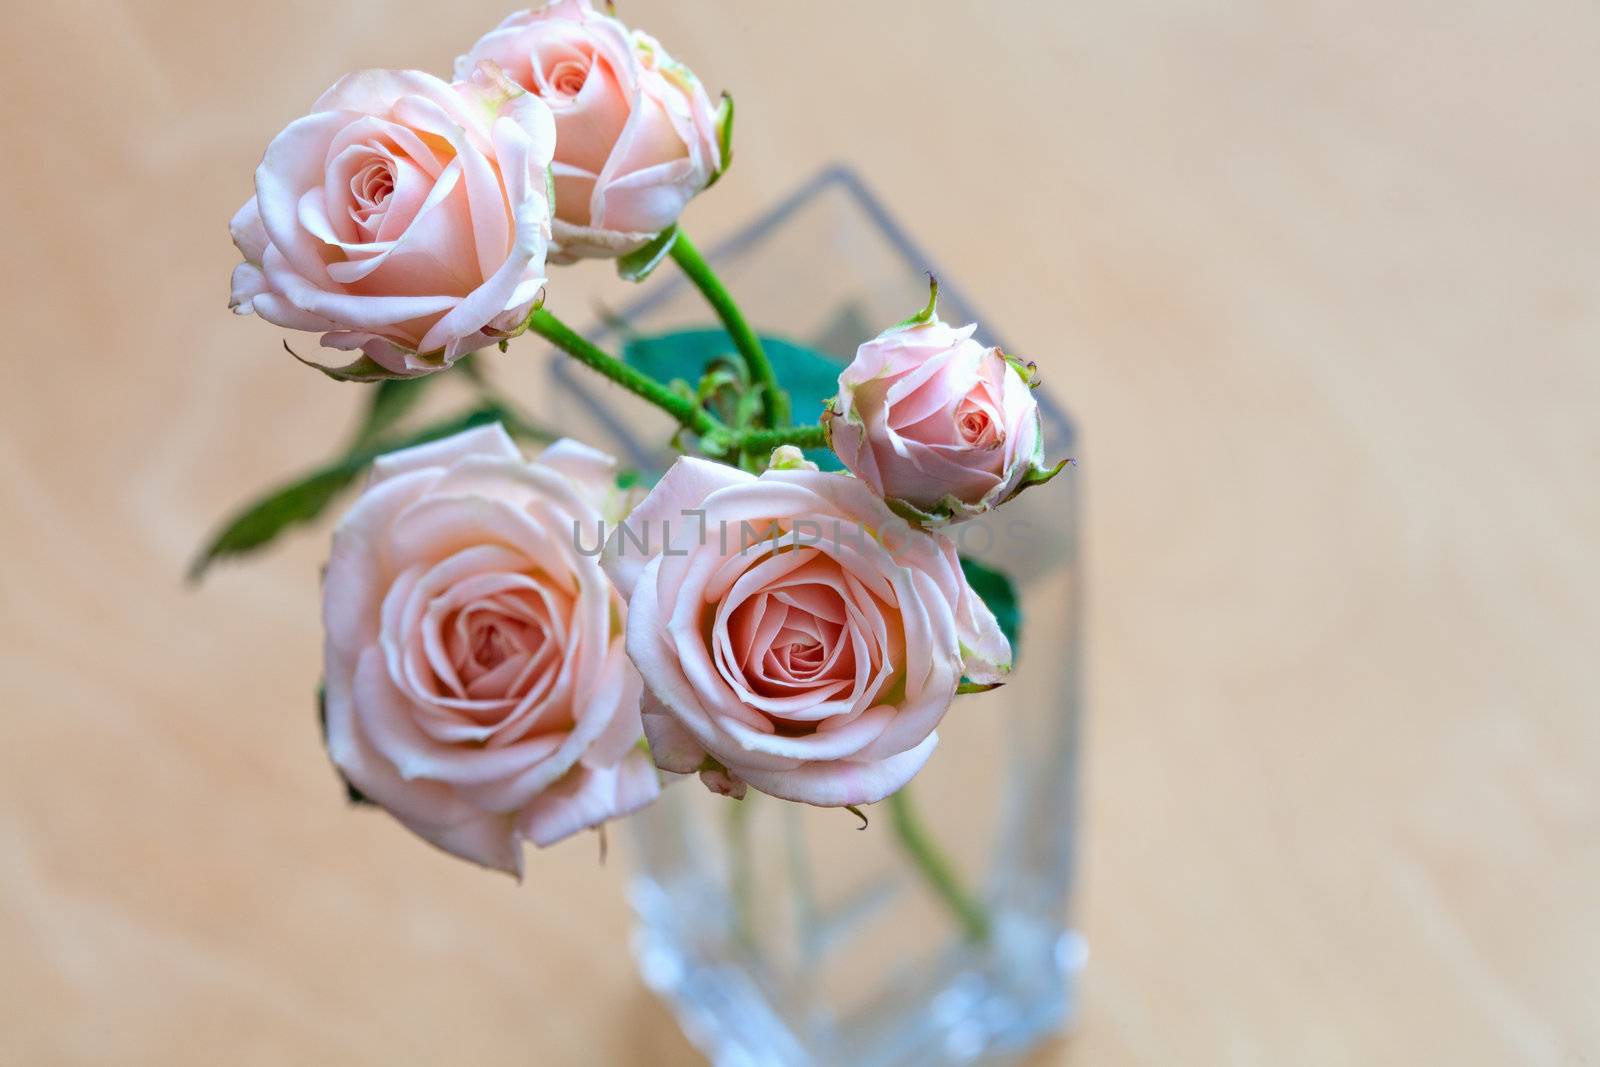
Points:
point(412, 218)
point(488, 679)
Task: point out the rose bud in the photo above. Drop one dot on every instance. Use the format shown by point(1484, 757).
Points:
point(940, 426)
point(794, 635)
point(477, 683)
point(404, 217)
point(636, 135)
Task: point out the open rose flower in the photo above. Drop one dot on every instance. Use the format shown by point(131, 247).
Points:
point(793, 634)
point(404, 217)
point(937, 424)
point(637, 137)
point(477, 684)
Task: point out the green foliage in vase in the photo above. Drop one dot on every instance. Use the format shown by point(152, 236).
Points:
point(695, 356)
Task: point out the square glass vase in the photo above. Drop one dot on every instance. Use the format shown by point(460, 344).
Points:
point(780, 934)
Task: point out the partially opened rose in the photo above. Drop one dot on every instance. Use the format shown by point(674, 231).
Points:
point(637, 136)
point(941, 426)
point(404, 217)
point(477, 684)
point(793, 634)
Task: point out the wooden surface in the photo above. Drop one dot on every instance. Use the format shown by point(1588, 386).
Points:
point(1319, 281)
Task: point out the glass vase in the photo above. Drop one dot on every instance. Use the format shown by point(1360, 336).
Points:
point(791, 936)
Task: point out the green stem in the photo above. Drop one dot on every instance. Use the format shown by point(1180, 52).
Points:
point(936, 868)
point(741, 871)
point(774, 401)
point(686, 411)
point(762, 441)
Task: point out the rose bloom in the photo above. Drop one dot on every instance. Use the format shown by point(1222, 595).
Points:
point(636, 135)
point(793, 634)
point(404, 217)
point(936, 423)
point(477, 684)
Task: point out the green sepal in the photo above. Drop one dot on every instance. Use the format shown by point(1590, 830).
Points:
point(948, 510)
point(527, 323)
point(1038, 472)
point(724, 123)
point(1026, 369)
point(951, 510)
point(1041, 475)
point(858, 813)
point(915, 515)
point(967, 688)
point(365, 369)
point(637, 265)
point(927, 314)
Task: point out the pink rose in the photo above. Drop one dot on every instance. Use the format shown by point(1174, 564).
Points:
point(636, 135)
point(404, 217)
point(477, 684)
point(793, 634)
point(937, 424)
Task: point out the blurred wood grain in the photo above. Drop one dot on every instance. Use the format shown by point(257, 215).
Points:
point(1320, 282)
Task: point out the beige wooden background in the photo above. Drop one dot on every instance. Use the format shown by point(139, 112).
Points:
point(1320, 281)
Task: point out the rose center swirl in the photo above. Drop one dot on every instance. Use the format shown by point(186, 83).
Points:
point(567, 77)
